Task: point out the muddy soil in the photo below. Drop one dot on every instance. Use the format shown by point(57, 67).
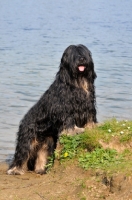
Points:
point(65, 182)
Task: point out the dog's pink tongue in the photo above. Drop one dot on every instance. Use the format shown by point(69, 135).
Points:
point(81, 68)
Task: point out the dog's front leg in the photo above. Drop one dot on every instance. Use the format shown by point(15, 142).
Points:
point(73, 131)
point(41, 160)
point(45, 151)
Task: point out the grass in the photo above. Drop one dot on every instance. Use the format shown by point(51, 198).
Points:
point(88, 151)
point(100, 158)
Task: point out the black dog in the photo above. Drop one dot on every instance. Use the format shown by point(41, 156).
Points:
point(67, 106)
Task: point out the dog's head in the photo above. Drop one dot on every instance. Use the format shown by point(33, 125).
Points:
point(77, 61)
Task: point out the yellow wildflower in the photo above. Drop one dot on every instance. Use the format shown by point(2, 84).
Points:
point(65, 154)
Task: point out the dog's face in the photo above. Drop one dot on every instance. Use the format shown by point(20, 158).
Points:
point(77, 60)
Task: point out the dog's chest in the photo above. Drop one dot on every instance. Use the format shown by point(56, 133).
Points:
point(83, 84)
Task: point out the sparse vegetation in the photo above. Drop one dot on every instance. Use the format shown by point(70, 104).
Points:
point(100, 158)
point(88, 150)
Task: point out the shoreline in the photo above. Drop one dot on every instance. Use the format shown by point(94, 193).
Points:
point(67, 180)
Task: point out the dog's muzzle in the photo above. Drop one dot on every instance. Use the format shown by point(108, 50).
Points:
point(81, 66)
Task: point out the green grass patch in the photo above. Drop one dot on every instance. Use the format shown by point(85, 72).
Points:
point(116, 128)
point(100, 158)
point(89, 153)
point(74, 145)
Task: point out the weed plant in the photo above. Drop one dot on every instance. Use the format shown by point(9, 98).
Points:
point(87, 150)
point(100, 158)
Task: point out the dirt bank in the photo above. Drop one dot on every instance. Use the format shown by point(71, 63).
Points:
point(65, 182)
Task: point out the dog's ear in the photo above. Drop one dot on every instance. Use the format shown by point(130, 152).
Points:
point(68, 54)
point(64, 58)
point(92, 74)
point(63, 74)
point(91, 63)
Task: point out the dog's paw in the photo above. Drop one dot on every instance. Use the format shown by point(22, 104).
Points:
point(40, 171)
point(15, 171)
point(90, 125)
point(73, 131)
point(79, 130)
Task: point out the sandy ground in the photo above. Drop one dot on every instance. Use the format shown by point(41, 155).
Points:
point(64, 182)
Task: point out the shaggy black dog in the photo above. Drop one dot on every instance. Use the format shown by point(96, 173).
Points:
point(67, 106)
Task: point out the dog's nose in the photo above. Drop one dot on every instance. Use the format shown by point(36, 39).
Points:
point(82, 59)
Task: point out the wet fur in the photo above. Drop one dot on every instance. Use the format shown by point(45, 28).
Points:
point(68, 105)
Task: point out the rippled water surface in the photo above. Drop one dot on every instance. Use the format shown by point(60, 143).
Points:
point(33, 36)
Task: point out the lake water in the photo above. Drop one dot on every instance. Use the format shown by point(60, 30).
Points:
point(33, 36)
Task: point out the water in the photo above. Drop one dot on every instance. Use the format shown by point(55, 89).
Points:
point(33, 36)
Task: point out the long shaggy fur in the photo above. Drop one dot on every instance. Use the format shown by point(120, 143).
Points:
point(67, 106)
